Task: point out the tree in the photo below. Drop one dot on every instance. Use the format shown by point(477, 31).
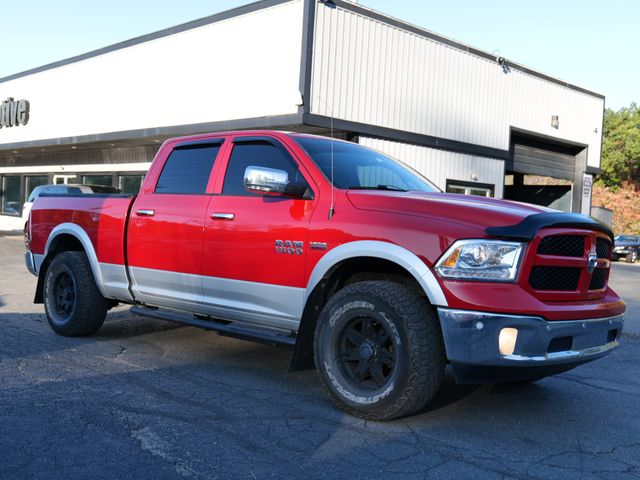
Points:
point(621, 147)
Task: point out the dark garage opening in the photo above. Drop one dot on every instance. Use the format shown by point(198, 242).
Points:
point(544, 171)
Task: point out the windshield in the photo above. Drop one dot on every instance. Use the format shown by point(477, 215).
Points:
point(358, 167)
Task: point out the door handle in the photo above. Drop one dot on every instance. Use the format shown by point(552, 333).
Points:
point(145, 213)
point(223, 216)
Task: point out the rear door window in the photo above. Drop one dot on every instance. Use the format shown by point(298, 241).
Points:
point(188, 168)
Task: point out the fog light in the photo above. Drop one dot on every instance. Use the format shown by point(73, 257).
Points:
point(507, 340)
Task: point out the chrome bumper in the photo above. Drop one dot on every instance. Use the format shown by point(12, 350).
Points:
point(30, 263)
point(472, 338)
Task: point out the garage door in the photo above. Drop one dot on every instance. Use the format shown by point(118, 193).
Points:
point(538, 161)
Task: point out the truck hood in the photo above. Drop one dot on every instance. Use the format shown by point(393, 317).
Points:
point(497, 218)
point(476, 212)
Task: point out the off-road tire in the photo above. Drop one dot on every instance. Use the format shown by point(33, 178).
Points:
point(72, 301)
point(414, 340)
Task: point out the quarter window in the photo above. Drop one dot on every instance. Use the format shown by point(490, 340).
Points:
point(187, 169)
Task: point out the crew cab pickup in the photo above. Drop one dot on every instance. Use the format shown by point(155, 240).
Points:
point(347, 256)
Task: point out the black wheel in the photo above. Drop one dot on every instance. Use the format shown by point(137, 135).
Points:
point(72, 301)
point(379, 350)
point(632, 256)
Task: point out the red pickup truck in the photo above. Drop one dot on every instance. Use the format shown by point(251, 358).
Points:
point(347, 256)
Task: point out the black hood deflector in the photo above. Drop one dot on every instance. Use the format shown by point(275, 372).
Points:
point(527, 228)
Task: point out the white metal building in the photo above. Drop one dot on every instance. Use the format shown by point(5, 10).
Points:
point(462, 117)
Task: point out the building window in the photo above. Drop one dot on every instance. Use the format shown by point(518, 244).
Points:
point(97, 180)
point(33, 181)
point(11, 204)
point(470, 188)
point(130, 183)
point(64, 179)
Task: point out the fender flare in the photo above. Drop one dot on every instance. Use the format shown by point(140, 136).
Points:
point(79, 233)
point(303, 354)
point(384, 250)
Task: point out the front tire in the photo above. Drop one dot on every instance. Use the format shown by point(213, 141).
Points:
point(379, 350)
point(72, 301)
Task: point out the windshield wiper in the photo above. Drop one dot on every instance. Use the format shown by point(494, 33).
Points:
point(392, 188)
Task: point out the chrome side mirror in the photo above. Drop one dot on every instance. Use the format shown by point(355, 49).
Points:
point(263, 180)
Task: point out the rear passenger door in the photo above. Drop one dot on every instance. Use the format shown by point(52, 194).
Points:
point(166, 228)
point(255, 245)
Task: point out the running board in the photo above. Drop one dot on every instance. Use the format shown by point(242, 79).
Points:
point(225, 329)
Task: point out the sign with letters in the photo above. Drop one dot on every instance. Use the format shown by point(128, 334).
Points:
point(14, 112)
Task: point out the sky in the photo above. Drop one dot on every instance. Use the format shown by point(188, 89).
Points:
point(592, 44)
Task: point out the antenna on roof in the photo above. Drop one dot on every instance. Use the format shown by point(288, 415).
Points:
point(331, 4)
point(332, 206)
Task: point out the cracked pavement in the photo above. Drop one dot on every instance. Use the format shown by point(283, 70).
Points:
point(150, 399)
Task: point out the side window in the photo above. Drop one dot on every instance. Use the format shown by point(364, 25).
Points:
point(187, 169)
point(257, 153)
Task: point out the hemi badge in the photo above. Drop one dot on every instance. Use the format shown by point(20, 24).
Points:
point(318, 245)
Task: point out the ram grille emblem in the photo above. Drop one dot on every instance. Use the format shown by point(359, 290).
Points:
point(592, 263)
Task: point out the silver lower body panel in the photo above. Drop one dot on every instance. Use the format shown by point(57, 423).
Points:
point(254, 303)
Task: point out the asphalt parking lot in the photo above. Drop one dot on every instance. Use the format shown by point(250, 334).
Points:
point(150, 399)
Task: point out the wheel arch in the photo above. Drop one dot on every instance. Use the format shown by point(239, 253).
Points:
point(64, 238)
point(370, 259)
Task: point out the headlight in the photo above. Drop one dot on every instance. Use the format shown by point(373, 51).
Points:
point(489, 260)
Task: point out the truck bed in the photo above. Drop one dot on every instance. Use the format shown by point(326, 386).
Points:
point(102, 216)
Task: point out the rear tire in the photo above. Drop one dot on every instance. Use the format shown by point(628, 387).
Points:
point(72, 301)
point(379, 350)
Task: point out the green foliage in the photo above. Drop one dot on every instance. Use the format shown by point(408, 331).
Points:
point(621, 147)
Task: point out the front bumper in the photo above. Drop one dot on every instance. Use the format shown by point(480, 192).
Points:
point(542, 348)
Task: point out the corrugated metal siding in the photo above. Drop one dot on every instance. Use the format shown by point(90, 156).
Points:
point(371, 72)
point(440, 165)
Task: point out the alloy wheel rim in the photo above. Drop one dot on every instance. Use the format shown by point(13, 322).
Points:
point(64, 295)
point(366, 353)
